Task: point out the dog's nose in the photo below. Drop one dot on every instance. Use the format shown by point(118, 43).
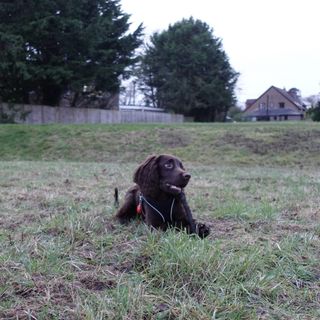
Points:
point(187, 176)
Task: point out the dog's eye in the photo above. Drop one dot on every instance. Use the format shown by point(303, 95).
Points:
point(168, 165)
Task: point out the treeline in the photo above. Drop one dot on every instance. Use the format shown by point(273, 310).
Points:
point(77, 50)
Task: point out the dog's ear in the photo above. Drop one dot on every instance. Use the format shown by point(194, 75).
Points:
point(146, 175)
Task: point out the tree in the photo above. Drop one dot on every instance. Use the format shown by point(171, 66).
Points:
point(185, 69)
point(312, 100)
point(51, 46)
point(11, 113)
point(315, 112)
point(235, 113)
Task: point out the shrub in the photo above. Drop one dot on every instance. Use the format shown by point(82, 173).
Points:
point(315, 112)
point(11, 112)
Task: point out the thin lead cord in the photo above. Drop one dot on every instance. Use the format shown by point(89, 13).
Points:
point(154, 208)
point(171, 209)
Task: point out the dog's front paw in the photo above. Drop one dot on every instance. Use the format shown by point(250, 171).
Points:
point(202, 230)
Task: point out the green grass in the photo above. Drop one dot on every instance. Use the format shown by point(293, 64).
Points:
point(235, 143)
point(62, 256)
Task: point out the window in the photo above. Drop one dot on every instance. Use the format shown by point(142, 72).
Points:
point(281, 105)
point(262, 106)
point(285, 117)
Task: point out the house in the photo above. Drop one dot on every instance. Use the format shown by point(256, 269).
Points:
point(276, 105)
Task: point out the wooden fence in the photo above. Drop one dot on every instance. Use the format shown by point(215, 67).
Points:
point(40, 114)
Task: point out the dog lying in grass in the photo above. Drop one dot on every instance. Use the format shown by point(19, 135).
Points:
point(158, 196)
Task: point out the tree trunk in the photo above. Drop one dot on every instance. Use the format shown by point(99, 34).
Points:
point(51, 95)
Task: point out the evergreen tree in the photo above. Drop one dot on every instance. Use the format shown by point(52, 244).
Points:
point(185, 69)
point(50, 46)
point(315, 112)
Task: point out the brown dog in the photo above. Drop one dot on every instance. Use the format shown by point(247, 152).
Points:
point(159, 198)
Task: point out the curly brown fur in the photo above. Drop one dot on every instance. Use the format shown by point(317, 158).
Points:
point(146, 176)
point(160, 182)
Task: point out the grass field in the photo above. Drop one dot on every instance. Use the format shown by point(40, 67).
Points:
point(62, 256)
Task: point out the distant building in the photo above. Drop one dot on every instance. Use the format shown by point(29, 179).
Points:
point(139, 108)
point(276, 105)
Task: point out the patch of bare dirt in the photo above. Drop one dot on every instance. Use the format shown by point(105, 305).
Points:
point(258, 230)
point(32, 296)
point(173, 138)
point(283, 227)
point(56, 288)
point(95, 283)
point(40, 291)
point(13, 223)
point(290, 141)
point(225, 228)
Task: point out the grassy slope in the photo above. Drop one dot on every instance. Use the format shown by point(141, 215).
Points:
point(257, 144)
point(62, 257)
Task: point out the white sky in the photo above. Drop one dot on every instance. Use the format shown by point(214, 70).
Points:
point(270, 42)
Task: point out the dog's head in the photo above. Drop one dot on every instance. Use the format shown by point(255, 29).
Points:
point(161, 173)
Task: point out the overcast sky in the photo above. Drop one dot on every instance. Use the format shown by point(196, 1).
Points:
point(270, 42)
